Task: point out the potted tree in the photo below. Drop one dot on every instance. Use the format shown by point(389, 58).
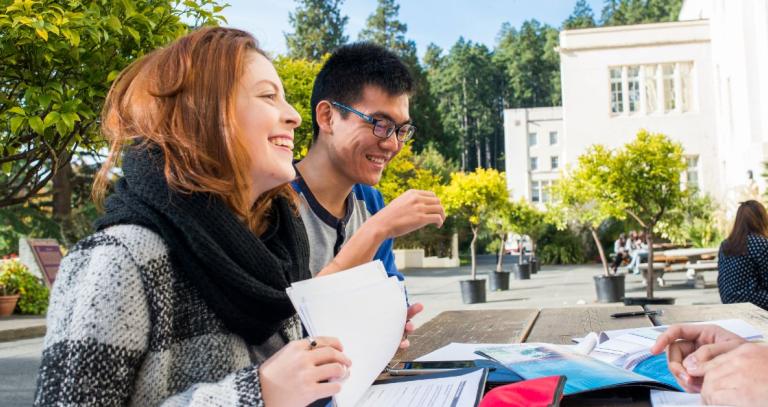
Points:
point(472, 197)
point(645, 176)
point(499, 223)
point(529, 222)
point(581, 198)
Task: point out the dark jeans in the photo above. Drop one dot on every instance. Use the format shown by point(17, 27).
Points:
point(618, 260)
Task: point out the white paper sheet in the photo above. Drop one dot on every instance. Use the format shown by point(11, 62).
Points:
point(661, 398)
point(365, 310)
point(457, 351)
point(458, 391)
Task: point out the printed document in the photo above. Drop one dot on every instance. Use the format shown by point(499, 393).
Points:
point(451, 391)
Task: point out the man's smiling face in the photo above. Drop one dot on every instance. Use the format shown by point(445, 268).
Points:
point(354, 150)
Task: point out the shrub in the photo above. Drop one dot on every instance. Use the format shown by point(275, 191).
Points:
point(560, 247)
point(16, 278)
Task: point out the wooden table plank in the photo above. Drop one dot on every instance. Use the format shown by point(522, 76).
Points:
point(559, 325)
point(480, 326)
point(679, 314)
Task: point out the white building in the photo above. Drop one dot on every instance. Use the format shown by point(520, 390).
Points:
point(699, 80)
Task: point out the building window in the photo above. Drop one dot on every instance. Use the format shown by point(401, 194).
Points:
point(617, 102)
point(554, 162)
point(670, 96)
point(535, 190)
point(653, 88)
point(552, 138)
point(534, 163)
point(545, 196)
point(651, 92)
point(532, 139)
point(633, 88)
point(686, 87)
point(692, 172)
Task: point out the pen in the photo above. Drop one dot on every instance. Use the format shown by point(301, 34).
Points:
point(634, 314)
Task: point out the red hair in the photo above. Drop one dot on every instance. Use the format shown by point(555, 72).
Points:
point(181, 99)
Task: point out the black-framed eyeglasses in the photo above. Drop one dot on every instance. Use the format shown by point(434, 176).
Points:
point(382, 128)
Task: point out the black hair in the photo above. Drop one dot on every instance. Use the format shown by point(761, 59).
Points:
point(350, 68)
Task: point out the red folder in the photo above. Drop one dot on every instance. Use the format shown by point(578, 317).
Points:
point(542, 392)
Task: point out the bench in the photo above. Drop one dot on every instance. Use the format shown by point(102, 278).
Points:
point(692, 271)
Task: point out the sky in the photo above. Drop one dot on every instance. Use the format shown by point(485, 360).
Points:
point(429, 21)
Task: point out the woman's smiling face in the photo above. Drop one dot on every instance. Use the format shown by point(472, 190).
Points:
point(265, 122)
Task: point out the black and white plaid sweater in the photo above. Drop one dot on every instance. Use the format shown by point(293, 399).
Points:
point(126, 328)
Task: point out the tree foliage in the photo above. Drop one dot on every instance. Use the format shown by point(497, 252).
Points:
point(530, 63)
point(59, 59)
point(582, 198)
point(298, 76)
point(427, 170)
point(318, 28)
point(467, 87)
point(626, 12)
point(472, 197)
point(582, 16)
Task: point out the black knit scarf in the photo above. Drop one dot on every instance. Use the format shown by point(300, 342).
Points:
point(241, 276)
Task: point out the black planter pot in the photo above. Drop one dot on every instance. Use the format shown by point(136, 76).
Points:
point(498, 281)
point(522, 271)
point(472, 291)
point(535, 265)
point(609, 288)
point(648, 301)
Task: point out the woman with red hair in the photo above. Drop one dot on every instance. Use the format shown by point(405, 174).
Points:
point(179, 296)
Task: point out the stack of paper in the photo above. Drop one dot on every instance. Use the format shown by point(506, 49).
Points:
point(626, 348)
point(365, 310)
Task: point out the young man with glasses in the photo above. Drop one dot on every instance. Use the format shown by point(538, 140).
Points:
point(360, 121)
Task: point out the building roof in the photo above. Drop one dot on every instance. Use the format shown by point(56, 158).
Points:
point(638, 35)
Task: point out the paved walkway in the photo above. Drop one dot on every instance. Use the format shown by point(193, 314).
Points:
point(437, 289)
point(552, 287)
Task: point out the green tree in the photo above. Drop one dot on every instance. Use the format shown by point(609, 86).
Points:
point(426, 171)
point(530, 64)
point(472, 197)
point(582, 17)
point(581, 197)
point(520, 217)
point(318, 28)
point(644, 178)
point(499, 222)
point(59, 59)
point(694, 222)
point(298, 76)
point(627, 12)
point(384, 28)
point(467, 87)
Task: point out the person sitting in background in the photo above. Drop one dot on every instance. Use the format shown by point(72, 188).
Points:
point(639, 253)
point(742, 263)
point(620, 251)
point(722, 366)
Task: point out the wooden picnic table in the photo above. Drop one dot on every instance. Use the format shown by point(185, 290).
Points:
point(560, 326)
point(691, 253)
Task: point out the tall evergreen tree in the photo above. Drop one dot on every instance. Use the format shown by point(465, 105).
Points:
point(626, 12)
point(318, 29)
point(384, 28)
point(530, 63)
point(466, 85)
point(582, 17)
